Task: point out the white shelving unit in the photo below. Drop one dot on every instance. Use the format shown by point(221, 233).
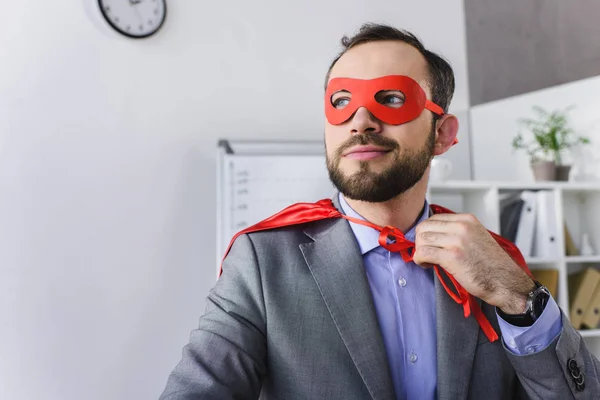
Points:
point(578, 204)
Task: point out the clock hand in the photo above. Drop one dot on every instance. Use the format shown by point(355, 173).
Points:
point(137, 10)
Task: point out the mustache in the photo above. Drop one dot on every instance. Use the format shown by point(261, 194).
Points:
point(365, 139)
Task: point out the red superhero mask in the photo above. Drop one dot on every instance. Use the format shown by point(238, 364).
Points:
point(364, 93)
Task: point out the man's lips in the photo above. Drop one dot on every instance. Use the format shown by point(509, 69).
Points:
point(365, 152)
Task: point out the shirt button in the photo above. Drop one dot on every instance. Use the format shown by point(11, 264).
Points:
point(402, 282)
point(412, 358)
point(531, 349)
point(512, 344)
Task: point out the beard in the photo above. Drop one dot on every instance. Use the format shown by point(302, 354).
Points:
point(375, 187)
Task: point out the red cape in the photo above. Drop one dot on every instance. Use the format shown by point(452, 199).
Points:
point(301, 213)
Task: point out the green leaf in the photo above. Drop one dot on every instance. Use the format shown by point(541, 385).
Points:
point(551, 133)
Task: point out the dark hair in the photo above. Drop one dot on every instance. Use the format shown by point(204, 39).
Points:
point(441, 76)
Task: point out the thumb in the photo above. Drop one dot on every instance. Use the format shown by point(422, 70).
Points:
point(417, 259)
point(425, 265)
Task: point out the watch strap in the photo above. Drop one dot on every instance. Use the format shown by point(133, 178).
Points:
point(536, 302)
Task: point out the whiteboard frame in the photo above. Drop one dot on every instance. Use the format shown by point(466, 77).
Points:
point(226, 149)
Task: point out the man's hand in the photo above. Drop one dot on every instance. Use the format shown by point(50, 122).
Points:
point(461, 245)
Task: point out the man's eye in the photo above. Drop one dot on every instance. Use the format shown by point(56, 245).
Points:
point(340, 102)
point(393, 99)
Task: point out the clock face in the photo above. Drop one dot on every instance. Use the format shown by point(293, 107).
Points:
point(134, 18)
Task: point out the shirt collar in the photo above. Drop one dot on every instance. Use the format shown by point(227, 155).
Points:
point(368, 238)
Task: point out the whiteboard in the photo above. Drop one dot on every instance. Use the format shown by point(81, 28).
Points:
point(257, 179)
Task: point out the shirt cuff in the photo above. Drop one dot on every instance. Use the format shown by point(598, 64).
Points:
point(532, 339)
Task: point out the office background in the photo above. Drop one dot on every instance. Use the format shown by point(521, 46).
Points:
point(108, 148)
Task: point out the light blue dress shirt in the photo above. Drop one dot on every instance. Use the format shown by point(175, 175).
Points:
point(404, 297)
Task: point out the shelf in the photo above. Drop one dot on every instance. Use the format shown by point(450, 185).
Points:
point(575, 203)
point(581, 187)
point(582, 259)
point(540, 260)
point(460, 186)
point(483, 185)
point(590, 332)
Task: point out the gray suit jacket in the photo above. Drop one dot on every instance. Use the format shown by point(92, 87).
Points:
point(292, 317)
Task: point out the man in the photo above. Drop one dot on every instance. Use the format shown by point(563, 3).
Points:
point(319, 308)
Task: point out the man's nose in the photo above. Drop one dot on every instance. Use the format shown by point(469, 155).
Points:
point(363, 121)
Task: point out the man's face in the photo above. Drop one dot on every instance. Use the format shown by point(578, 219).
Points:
point(368, 159)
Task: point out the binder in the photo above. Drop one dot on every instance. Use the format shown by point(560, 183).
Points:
point(509, 218)
point(546, 227)
point(581, 288)
point(591, 316)
point(570, 247)
point(548, 278)
point(525, 230)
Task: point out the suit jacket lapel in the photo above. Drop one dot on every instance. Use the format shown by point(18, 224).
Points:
point(456, 346)
point(336, 264)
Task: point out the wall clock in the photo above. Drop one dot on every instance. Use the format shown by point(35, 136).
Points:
point(134, 18)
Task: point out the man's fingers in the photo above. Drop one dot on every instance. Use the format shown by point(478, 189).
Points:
point(437, 239)
point(434, 226)
point(452, 217)
point(429, 255)
point(459, 224)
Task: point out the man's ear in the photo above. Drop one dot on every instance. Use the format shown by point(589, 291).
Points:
point(446, 129)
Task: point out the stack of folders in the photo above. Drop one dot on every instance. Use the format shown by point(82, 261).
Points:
point(528, 219)
point(584, 299)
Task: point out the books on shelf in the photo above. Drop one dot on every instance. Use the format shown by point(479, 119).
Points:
point(548, 222)
point(528, 218)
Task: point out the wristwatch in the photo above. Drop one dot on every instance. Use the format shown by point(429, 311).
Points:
point(536, 302)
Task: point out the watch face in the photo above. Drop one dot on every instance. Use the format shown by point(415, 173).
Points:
point(540, 301)
point(134, 18)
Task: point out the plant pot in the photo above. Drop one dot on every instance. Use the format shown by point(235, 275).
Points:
point(562, 172)
point(544, 170)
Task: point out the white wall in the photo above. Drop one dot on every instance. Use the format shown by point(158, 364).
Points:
point(107, 170)
point(494, 124)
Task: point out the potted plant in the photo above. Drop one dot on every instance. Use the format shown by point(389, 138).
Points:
point(552, 135)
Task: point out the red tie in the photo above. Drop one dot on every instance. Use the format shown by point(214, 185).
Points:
point(301, 213)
